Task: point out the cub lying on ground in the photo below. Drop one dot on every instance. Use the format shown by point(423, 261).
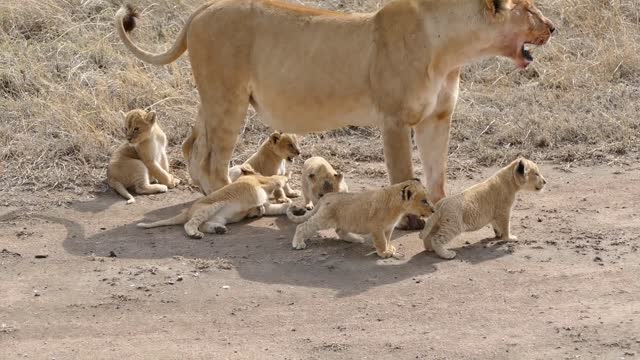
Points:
point(318, 179)
point(142, 158)
point(271, 159)
point(374, 212)
point(489, 202)
point(229, 204)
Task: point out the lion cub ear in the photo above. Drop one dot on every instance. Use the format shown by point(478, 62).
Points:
point(247, 169)
point(495, 6)
point(275, 137)
point(151, 117)
point(406, 193)
point(520, 167)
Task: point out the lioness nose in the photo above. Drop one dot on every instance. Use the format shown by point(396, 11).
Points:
point(544, 181)
point(552, 28)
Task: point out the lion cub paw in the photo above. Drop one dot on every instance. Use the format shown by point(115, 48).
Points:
point(294, 193)
point(175, 181)
point(196, 235)
point(446, 254)
point(283, 200)
point(389, 252)
point(298, 245)
point(162, 188)
point(131, 201)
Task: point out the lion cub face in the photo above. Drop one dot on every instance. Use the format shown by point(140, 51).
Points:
point(138, 124)
point(528, 175)
point(325, 182)
point(285, 145)
point(414, 197)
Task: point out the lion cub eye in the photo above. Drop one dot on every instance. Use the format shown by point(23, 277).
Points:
point(424, 201)
point(135, 129)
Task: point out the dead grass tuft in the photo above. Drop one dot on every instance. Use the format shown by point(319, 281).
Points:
point(64, 75)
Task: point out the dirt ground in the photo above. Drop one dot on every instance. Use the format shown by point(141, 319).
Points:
point(568, 288)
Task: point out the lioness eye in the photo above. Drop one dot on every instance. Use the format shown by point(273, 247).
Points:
point(135, 129)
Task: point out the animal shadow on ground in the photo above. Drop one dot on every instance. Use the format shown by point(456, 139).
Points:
point(100, 203)
point(261, 251)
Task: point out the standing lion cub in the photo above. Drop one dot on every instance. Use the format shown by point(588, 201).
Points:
point(489, 202)
point(374, 212)
point(141, 158)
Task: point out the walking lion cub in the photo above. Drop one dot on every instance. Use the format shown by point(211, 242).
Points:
point(141, 159)
point(374, 212)
point(488, 202)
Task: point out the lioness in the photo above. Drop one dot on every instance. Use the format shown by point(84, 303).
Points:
point(374, 212)
point(229, 204)
point(489, 202)
point(141, 158)
point(306, 70)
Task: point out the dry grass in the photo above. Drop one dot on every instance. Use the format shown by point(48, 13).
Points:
point(64, 75)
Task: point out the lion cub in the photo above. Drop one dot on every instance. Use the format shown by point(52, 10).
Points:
point(318, 179)
point(488, 202)
point(141, 159)
point(229, 204)
point(374, 212)
point(271, 159)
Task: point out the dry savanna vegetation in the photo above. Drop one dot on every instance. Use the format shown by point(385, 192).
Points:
point(64, 75)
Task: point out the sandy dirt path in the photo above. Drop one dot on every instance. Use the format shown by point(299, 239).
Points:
point(568, 288)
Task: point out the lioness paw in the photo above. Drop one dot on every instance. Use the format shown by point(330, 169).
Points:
point(163, 188)
point(197, 235)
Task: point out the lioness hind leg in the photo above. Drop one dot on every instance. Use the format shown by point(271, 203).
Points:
point(224, 96)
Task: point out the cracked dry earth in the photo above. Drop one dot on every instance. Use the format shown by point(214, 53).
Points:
point(81, 281)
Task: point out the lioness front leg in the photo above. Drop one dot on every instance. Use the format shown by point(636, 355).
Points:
point(432, 137)
point(397, 156)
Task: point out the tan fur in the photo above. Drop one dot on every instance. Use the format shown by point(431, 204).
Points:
point(307, 70)
point(141, 159)
point(271, 159)
point(374, 212)
point(488, 202)
point(319, 178)
point(227, 205)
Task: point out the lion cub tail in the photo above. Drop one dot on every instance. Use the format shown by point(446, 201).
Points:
point(300, 215)
point(176, 220)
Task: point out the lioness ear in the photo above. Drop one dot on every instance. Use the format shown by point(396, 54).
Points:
point(520, 167)
point(151, 117)
point(275, 137)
